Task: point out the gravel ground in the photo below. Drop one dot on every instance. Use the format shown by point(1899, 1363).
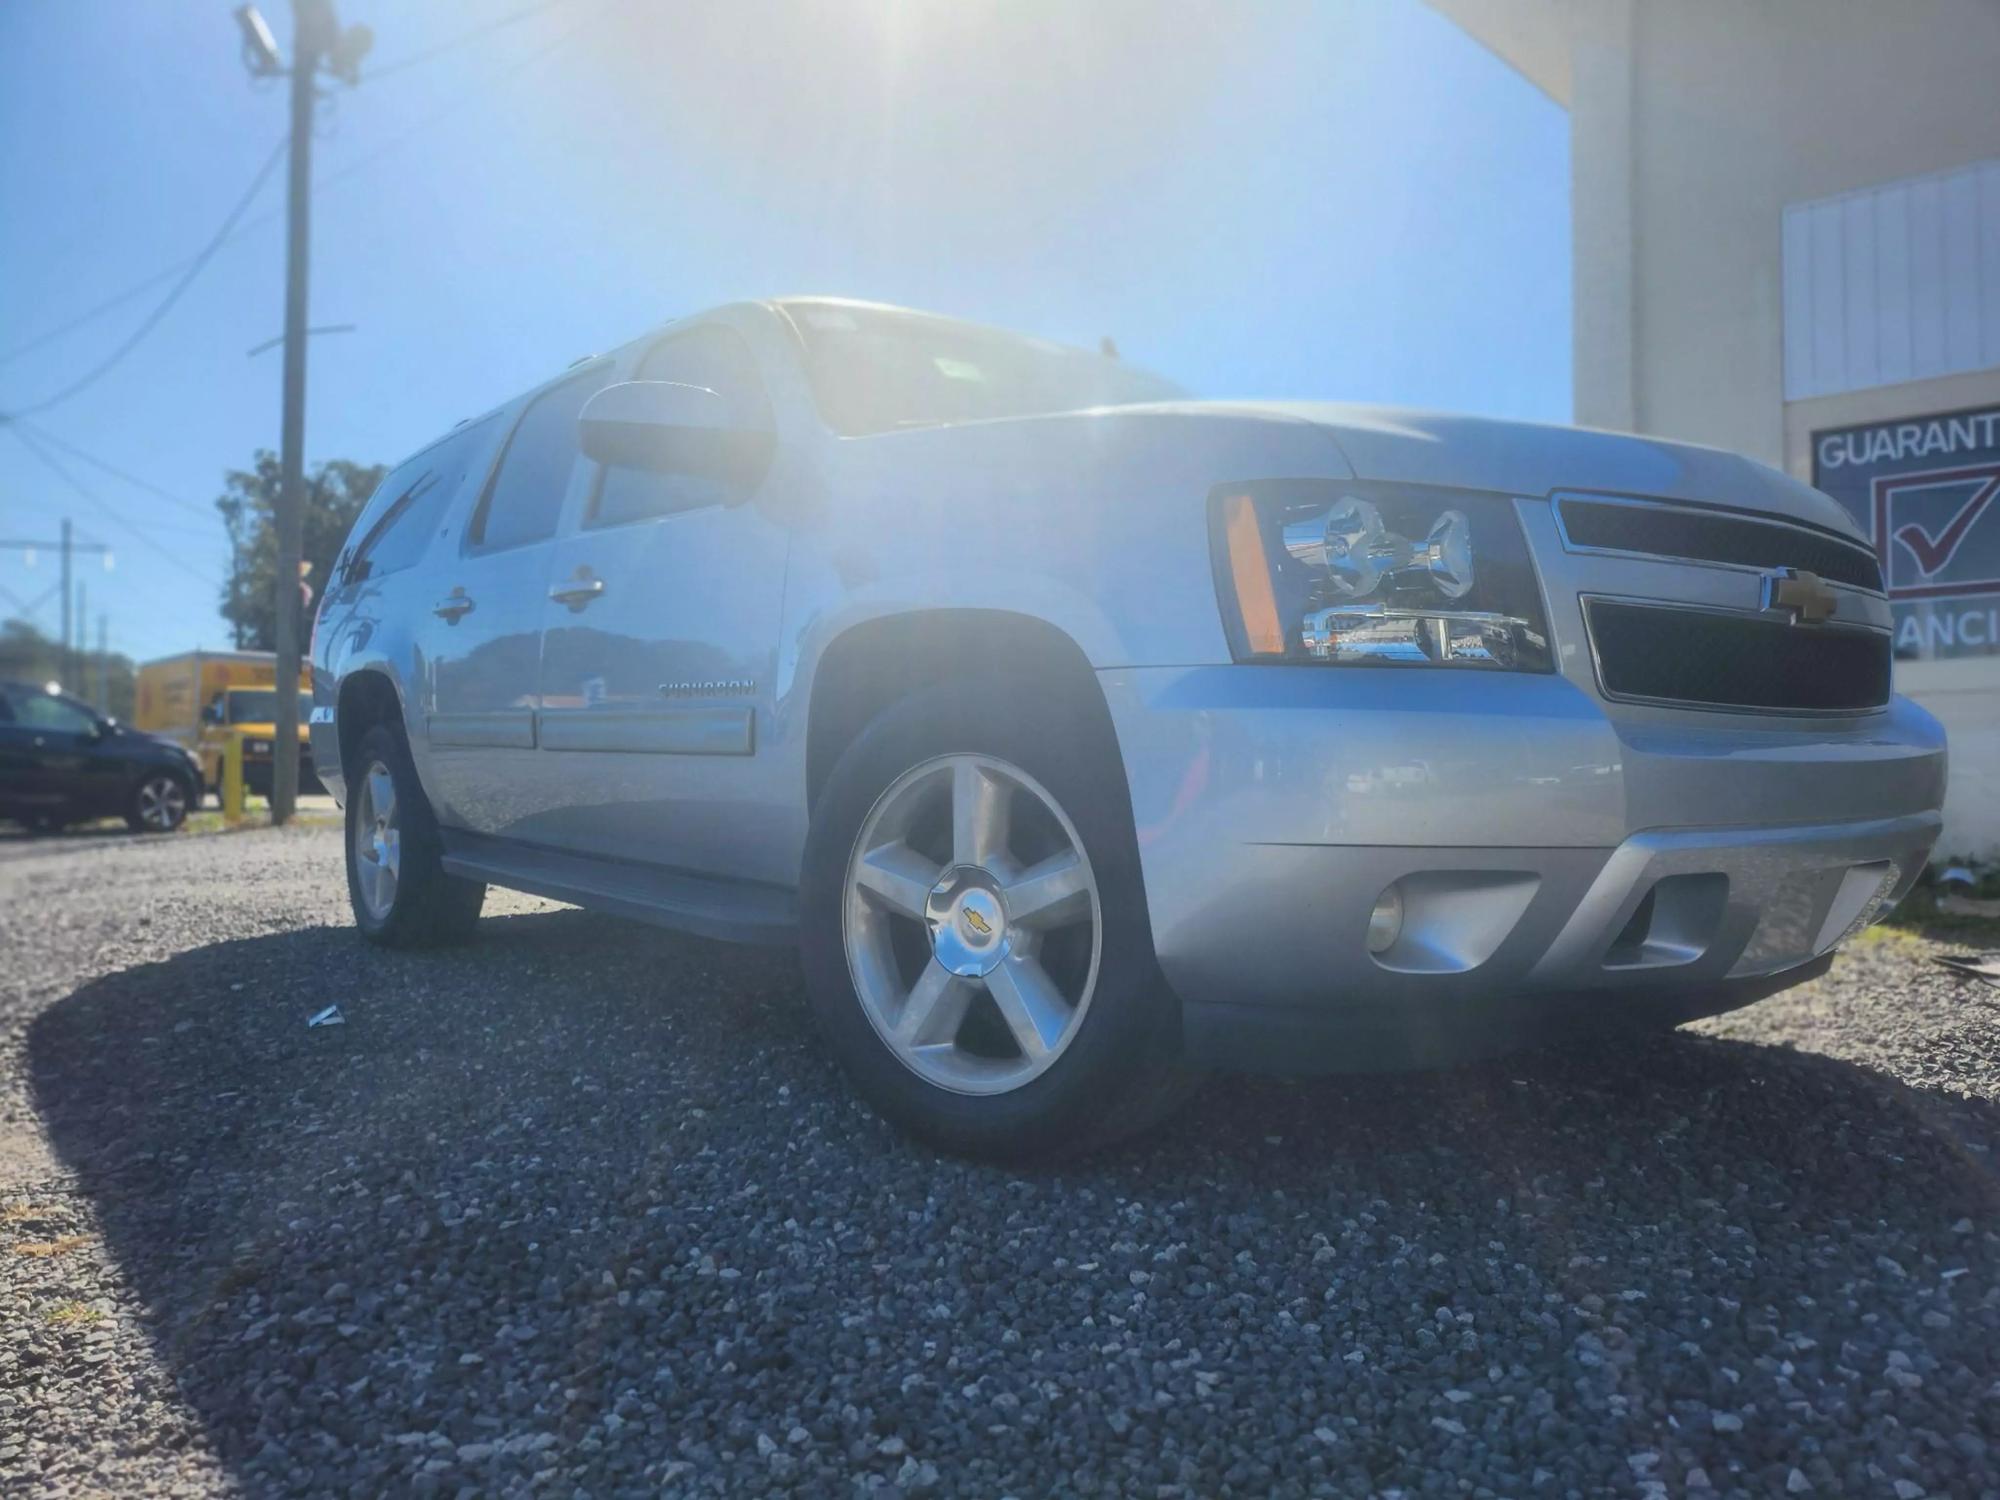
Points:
point(581, 1209)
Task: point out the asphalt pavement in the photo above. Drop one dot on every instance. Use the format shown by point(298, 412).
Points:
point(582, 1209)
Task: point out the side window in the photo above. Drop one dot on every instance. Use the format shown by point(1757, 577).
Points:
point(41, 711)
point(527, 493)
point(717, 359)
point(406, 512)
point(6, 708)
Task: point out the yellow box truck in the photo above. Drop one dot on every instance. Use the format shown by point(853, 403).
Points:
point(200, 698)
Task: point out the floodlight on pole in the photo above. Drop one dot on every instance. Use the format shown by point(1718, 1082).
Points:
point(343, 58)
point(260, 48)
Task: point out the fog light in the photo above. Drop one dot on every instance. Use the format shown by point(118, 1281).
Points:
point(1385, 922)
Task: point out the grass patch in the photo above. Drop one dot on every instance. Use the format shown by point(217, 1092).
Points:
point(74, 1315)
point(211, 820)
point(1883, 935)
point(43, 1249)
point(1916, 916)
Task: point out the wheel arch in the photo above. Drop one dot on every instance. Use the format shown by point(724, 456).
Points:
point(367, 697)
point(876, 662)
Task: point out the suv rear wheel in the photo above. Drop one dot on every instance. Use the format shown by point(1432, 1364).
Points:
point(975, 933)
point(396, 879)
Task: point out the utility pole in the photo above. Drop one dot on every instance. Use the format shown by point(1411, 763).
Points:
point(66, 547)
point(316, 37)
point(62, 662)
point(103, 663)
point(82, 687)
point(308, 38)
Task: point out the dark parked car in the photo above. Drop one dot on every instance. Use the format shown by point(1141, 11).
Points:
point(62, 762)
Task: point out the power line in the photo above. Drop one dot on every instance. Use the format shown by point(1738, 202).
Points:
point(428, 54)
point(140, 288)
point(30, 610)
point(138, 531)
point(147, 586)
point(90, 315)
point(25, 431)
point(192, 507)
point(453, 104)
point(151, 321)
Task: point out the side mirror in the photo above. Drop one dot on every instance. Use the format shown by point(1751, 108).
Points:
point(211, 713)
point(664, 428)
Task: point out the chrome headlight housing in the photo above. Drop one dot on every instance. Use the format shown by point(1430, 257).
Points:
point(1366, 574)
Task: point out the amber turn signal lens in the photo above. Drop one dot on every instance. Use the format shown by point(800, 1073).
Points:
point(1250, 574)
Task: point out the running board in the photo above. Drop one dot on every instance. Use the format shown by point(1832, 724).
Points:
point(735, 911)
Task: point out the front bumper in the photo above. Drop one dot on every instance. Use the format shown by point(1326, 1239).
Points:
point(1556, 867)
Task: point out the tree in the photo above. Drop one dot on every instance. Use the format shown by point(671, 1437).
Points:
point(26, 655)
point(335, 494)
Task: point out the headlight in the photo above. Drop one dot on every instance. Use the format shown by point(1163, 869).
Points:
point(1376, 575)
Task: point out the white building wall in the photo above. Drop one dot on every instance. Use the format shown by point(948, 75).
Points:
point(1741, 112)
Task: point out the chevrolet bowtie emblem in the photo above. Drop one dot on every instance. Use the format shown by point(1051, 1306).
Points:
point(1806, 595)
point(978, 923)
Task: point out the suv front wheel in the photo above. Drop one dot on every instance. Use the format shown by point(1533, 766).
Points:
point(975, 935)
point(396, 879)
point(159, 803)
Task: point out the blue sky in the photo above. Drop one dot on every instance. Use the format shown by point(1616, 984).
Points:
point(1346, 199)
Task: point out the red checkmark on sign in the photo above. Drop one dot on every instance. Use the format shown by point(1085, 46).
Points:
point(1932, 552)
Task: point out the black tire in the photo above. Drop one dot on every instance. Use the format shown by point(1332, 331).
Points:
point(1120, 1073)
point(152, 807)
point(428, 908)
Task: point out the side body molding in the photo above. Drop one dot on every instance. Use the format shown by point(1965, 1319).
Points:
point(725, 730)
point(511, 729)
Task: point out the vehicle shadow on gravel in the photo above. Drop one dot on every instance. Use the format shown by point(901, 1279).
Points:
point(586, 1197)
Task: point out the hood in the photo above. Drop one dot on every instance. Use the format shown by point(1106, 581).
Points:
point(1533, 458)
point(128, 738)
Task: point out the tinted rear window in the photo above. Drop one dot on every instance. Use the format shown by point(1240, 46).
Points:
point(527, 493)
point(414, 500)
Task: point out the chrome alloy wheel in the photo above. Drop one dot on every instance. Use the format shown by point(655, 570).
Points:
point(162, 803)
point(378, 842)
point(972, 924)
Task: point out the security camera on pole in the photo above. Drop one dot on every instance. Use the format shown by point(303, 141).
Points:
point(317, 42)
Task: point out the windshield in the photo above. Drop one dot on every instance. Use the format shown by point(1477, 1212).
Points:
point(874, 369)
point(260, 706)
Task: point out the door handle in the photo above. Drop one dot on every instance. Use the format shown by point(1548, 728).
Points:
point(453, 605)
point(579, 591)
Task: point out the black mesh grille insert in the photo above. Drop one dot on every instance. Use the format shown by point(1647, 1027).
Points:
point(1736, 661)
point(1701, 537)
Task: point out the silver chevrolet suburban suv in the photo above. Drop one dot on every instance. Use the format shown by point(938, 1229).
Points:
point(1085, 736)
